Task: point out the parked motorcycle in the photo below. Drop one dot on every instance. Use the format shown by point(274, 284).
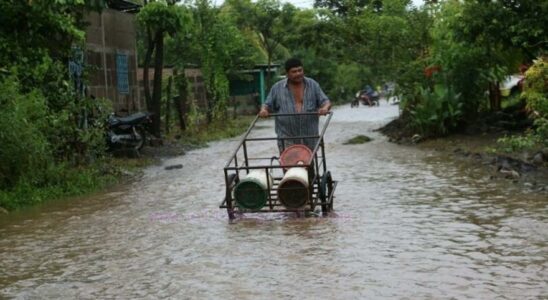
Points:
point(128, 132)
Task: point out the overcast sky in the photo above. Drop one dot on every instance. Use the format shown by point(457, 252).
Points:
point(310, 3)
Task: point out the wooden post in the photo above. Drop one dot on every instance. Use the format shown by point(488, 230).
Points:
point(261, 86)
point(168, 102)
point(180, 102)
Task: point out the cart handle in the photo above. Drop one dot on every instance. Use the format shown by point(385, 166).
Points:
point(329, 114)
point(298, 114)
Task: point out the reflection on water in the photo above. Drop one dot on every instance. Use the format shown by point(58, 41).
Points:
point(409, 223)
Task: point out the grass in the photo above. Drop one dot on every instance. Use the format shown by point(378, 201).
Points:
point(360, 139)
point(512, 100)
point(200, 136)
point(64, 181)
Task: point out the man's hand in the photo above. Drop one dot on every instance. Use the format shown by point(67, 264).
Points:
point(263, 113)
point(324, 109)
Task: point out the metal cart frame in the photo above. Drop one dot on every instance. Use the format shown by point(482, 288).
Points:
point(321, 185)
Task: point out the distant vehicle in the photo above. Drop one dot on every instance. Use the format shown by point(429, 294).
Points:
point(511, 85)
point(388, 89)
point(367, 96)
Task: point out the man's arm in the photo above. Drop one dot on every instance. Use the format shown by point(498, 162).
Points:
point(269, 104)
point(324, 109)
point(321, 98)
point(264, 112)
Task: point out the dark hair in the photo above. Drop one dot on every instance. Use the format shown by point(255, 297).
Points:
point(292, 63)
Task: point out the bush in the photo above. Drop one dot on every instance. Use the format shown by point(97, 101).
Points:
point(25, 149)
point(44, 146)
point(77, 132)
point(437, 112)
point(516, 143)
point(63, 181)
point(536, 95)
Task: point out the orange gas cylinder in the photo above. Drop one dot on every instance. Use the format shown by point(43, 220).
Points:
point(293, 190)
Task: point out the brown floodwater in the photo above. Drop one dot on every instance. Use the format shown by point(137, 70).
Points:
point(409, 223)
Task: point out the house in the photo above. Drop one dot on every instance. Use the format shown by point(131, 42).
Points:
point(248, 89)
point(111, 63)
point(197, 93)
point(111, 55)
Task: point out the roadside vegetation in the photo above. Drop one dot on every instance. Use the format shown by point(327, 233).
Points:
point(474, 47)
point(446, 59)
point(199, 137)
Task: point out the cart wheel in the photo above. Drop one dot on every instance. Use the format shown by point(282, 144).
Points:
point(325, 188)
point(232, 181)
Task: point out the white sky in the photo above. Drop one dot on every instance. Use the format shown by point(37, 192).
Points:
point(310, 3)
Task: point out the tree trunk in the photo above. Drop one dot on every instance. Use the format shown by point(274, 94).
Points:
point(180, 106)
point(234, 106)
point(268, 83)
point(269, 53)
point(157, 85)
point(210, 99)
point(209, 110)
point(269, 48)
point(180, 102)
point(168, 103)
point(494, 96)
point(148, 57)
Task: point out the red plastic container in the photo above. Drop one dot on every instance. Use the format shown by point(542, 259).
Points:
point(295, 154)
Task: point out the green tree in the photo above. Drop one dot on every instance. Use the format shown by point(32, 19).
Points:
point(40, 111)
point(160, 18)
point(506, 32)
point(472, 46)
point(36, 42)
point(222, 49)
point(383, 38)
point(36, 38)
point(536, 95)
point(268, 19)
point(344, 8)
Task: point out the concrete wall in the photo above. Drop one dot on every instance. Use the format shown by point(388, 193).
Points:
point(242, 104)
point(194, 76)
point(108, 34)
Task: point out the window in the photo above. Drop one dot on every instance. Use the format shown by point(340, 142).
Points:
point(122, 73)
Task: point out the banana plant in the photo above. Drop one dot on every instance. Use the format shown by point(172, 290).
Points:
point(438, 110)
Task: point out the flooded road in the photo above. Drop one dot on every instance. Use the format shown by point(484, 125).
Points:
point(410, 224)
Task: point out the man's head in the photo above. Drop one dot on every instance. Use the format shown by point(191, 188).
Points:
point(294, 70)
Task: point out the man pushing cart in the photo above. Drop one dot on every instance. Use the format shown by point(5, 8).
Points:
point(296, 103)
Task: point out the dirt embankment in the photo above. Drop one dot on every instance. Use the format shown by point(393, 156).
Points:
point(477, 143)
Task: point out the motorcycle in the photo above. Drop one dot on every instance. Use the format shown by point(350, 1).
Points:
point(128, 132)
point(366, 97)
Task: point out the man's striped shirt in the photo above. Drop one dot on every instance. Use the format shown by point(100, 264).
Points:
point(280, 100)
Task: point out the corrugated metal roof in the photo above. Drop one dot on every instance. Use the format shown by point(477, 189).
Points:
point(124, 6)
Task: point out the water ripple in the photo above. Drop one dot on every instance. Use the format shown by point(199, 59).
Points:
point(409, 224)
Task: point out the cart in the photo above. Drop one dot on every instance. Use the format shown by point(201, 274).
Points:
point(317, 188)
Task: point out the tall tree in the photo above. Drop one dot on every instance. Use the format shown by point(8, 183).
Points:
point(221, 49)
point(382, 37)
point(35, 33)
point(268, 19)
point(506, 32)
point(160, 18)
